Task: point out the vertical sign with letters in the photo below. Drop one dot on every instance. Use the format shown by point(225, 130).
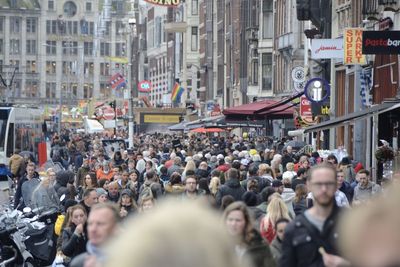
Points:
point(353, 47)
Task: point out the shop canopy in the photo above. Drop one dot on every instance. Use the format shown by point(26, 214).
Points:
point(358, 115)
point(273, 110)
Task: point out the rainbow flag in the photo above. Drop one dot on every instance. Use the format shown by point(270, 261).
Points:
point(177, 92)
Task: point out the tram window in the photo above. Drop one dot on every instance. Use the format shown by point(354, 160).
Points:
point(10, 140)
point(3, 127)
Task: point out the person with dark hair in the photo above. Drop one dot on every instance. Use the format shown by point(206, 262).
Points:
point(301, 178)
point(26, 185)
point(231, 187)
point(102, 225)
point(265, 195)
point(253, 175)
point(365, 189)
point(127, 203)
point(310, 239)
point(276, 245)
point(191, 191)
point(89, 199)
point(226, 201)
point(332, 160)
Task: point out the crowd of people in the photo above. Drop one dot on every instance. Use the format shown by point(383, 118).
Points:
point(277, 207)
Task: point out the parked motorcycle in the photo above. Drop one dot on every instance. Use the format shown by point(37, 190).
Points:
point(27, 238)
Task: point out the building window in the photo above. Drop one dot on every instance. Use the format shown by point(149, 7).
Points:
point(267, 18)
point(108, 28)
point(105, 90)
point(195, 7)
point(88, 7)
point(195, 38)
point(70, 48)
point(72, 27)
point(51, 67)
point(51, 27)
point(157, 32)
point(51, 47)
point(119, 27)
point(1, 47)
point(88, 48)
point(120, 49)
point(50, 5)
point(31, 88)
point(50, 90)
point(31, 66)
point(15, 24)
point(105, 69)
point(104, 49)
point(69, 67)
point(88, 69)
point(1, 24)
point(266, 69)
point(30, 47)
point(31, 25)
point(87, 90)
point(14, 47)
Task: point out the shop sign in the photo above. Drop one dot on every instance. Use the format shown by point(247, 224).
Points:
point(317, 90)
point(144, 87)
point(305, 110)
point(353, 54)
point(156, 118)
point(381, 42)
point(327, 48)
point(166, 3)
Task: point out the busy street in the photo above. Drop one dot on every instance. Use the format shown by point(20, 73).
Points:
point(201, 133)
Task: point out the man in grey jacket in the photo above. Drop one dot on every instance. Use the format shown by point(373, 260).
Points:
point(365, 188)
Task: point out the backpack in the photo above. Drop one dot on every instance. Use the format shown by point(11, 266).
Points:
point(147, 191)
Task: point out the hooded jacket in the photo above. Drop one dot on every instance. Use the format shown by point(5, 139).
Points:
point(231, 187)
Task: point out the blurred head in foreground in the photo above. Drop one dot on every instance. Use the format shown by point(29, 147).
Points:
point(370, 235)
point(174, 234)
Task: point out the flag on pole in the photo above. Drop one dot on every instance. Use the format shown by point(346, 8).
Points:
point(117, 81)
point(177, 92)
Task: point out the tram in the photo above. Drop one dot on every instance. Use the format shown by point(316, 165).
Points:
point(20, 128)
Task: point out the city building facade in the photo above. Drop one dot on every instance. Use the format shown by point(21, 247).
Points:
point(63, 49)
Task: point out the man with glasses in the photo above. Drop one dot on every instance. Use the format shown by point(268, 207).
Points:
point(310, 239)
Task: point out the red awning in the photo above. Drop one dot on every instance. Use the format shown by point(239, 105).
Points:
point(251, 108)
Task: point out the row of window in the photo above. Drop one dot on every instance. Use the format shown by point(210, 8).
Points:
point(16, 25)
point(71, 48)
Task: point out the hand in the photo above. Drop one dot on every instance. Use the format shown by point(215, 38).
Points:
point(79, 229)
point(331, 260)
point(90, 261)
point(123, 212)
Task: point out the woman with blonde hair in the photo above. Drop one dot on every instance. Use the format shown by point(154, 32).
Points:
point(190, 166)
point(249, 243)
point(276, 210)
point(215, 183)
point(276, 164)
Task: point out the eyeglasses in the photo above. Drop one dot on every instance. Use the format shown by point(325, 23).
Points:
point(328, 185)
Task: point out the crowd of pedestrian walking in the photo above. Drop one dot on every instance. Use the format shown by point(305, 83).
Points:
point(278, 207)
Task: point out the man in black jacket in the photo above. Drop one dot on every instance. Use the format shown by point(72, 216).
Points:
point(310, 239)
point(26, 185)
point(231, 187)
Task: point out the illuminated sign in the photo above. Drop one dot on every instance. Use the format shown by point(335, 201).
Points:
point(381, 42)
point(144, 86)
point(168, 3)
point(156, 118)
